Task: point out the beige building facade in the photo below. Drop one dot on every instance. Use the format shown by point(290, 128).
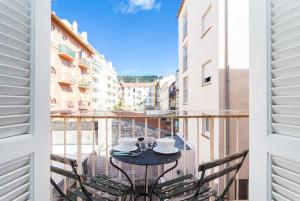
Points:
point(70, 68)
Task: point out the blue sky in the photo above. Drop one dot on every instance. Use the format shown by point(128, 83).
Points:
point(138, 36)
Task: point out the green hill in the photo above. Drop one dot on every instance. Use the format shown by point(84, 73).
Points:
point(132, 78)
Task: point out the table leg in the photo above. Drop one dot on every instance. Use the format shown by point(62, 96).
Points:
point(155, 183)
point(118, 168)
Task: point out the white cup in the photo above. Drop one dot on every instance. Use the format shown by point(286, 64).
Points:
point(127, 142)
point(165, 143)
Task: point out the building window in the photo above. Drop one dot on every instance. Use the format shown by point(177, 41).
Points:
point(206, 21)
point(185, 58)
point(206, 73)
point(64, 37)
point(185, 90)
point(185, 26)
point(205, 126)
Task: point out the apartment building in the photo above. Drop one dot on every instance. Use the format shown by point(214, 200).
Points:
point(138, 96)
point(164, 86)
point(105, 85)
point(70, 68)
point(213, 71)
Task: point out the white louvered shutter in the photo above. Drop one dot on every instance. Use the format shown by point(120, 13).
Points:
point(15, 180)
point(15, 67)
point(24, 100)
point(285, 65)
point(275, 100)
point(285, 179)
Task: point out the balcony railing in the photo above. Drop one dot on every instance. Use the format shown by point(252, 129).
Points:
point(66, 52)
point(84, 83)
point(89, 138)
point(66, 78)
point(83, 63)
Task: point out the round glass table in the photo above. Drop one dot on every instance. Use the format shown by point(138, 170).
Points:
point(146, 158)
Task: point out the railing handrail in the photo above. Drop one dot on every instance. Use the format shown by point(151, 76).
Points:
point(142, 116)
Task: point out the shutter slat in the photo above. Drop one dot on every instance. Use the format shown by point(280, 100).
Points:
point(14, 110)
point(279, 197)
point(13, 130)
point(25, 3)
point(13, 61)
point(14, 33)
point(14, 81)
point(286, 34)
point(285, 176)
point(285, 62)
point(284, 53)
point(11, 90)
point(286, 81)
point(15, 177)
point(286, 119)
point(14, 42)
point(286, 100)
point(14, 119)
point(286, 91)
point(286, 109)
point(291, 9)
point(287, 43)
point(283, 129)
point(16, 9)
point(23, 197)
point(286, 72)
point(285, 25)
point(14, 71)
point(12, 22)
point(13, 52)
point(14, 100)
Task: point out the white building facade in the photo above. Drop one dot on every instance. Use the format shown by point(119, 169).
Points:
point(138, 96)
point(213, 69)
point(105, 85)
point(164, 85)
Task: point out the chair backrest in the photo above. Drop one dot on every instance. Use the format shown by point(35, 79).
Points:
point(68, 174)
point(232, 164)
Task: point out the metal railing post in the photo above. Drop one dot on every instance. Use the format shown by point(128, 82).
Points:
point(119, 135)
point(237, 151)
point(185, 127)
point(65, 152)
point(79, 144)
point(198, 149)
point(93, 148)
point(106, 146)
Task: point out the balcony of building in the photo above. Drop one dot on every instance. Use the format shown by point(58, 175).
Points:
point(84, 82)
point(66, 53)
point(66, 78)
point(83, 105)
point(90, 138)
point(83, 63)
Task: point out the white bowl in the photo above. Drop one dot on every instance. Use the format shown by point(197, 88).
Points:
point(165, 143)
point(127, 141)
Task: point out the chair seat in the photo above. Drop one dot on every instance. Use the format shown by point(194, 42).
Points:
point(76, 192)
point(182, 189)
point(108, 185)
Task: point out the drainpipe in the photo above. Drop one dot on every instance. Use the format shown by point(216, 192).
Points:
point(227, 83)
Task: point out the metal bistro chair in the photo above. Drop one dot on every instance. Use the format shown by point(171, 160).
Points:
point(188, 188)
point(98, 188)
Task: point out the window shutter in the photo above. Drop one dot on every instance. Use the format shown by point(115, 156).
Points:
point(285, 67)
point(285, 179)
point(15, 180)
point(15, 67)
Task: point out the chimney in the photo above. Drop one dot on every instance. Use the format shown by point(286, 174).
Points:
point(84, 36)
point(75, 26)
